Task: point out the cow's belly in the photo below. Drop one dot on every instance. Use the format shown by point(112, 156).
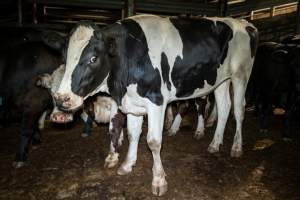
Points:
point(200, 92)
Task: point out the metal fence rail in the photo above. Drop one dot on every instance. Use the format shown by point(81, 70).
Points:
point(249, 6)
point(103, 12)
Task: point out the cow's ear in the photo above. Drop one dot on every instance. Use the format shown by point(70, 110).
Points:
point(54, 40)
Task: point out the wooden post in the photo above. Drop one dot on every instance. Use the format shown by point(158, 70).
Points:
point(130, 8)
point(223, 7)
point(34, 11)
point(224, 13)
point(298, 19)
point(20, 15)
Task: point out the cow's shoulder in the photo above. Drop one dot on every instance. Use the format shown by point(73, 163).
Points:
point(134, 64)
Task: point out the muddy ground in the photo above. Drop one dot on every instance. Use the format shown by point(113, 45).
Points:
point(67, 166)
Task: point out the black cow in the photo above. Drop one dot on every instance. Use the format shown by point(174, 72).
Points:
point(20, 67)
point(146, 61)
point(275, 80)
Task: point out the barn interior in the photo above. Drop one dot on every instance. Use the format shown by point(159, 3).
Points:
point(70, 165)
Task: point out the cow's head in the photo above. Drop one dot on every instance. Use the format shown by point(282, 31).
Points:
point(87, 66)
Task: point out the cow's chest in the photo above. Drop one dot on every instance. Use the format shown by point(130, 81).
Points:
point(132, 102)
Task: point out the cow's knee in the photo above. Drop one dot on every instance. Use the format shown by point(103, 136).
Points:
point(154, 144)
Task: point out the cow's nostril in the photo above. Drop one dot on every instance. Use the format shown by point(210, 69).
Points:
point(67, 98)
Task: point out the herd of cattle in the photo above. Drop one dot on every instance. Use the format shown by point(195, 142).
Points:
point(139, 66)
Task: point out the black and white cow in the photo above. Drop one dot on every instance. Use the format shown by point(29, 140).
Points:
point(145, 62)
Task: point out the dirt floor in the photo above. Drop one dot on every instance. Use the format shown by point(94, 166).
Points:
point(67, 166)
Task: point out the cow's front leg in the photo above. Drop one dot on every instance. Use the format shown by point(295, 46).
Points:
point(116, 136)
point(154, 139)
point(134, 129)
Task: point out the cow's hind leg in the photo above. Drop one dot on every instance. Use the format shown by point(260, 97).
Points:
point(169, 117)
point(212, 116)
point(239, 89)
point(182, 110)
point(223, 107)
point(201, 105)
point(154, 140)
point(134, 130)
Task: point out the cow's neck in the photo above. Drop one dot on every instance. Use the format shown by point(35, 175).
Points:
point(117, 80)
point(103, 87)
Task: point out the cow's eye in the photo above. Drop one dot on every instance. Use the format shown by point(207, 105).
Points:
point(93, 59)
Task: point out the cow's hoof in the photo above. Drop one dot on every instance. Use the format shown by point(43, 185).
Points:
point(111, 160)
point(171, 133)
point(124, 170)
point(199, 134)
point(84, 135)
point(18, 164)
point(212, 149)
point(236, 153)
point(160, 189)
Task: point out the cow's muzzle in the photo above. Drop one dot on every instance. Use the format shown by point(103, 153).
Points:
point(68, 102)
point(61, 117)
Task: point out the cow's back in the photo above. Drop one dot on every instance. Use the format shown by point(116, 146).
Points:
point(186, 57)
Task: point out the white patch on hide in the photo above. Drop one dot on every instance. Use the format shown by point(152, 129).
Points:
point(78, 41)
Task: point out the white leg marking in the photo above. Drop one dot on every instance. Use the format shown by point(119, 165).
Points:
point(200, 128)
point(134, 127)
point(239, 88)
point(154, 139)
point(176, 125)
point(121, 138)
point(42, 120)
point(113, 112)
point(223, 107)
